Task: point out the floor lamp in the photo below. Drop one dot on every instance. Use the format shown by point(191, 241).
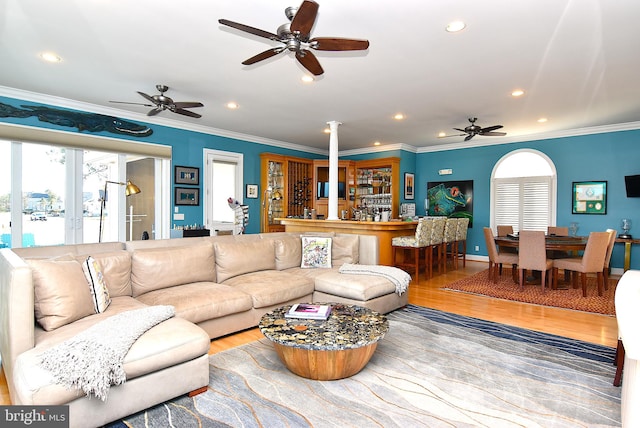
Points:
point(130, 189)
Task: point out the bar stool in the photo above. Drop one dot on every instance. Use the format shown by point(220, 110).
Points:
point(415, 244)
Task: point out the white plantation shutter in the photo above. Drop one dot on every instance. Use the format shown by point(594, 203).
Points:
point(526, 203)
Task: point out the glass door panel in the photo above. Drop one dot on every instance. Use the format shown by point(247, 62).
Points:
point(5, 194)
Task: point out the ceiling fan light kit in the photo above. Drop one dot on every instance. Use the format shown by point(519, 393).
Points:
point(296, 38)
point(472, 130)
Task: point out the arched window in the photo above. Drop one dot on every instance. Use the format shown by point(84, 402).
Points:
point(523, 191)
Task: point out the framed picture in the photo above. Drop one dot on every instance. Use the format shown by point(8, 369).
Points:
point(187, 196)
point(589, 197)
point(252, 191)
point(409, 185)
point(187, 175)
point(450, 199)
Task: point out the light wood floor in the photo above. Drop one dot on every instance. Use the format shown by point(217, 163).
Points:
point(599, 329)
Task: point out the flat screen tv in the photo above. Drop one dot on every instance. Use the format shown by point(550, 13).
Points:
point(632, 183)
point(323, 189)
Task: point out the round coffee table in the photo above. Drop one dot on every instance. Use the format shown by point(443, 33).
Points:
point(335, 348)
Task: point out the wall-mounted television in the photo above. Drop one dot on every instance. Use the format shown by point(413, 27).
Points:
point(632, 183)
point(323, 190)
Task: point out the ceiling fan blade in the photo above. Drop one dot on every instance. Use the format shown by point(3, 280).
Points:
point(491, 128)
point(468, 137)
point(304, 19)
point(461, 130)
point(338, 44)
point(494, 134)
point(263, 55)
point(154, 111)
point(188, 104)
point(186, 112)
point(248, 29)
point(148, 97)
point(138, 104)
point(309, 61)
point(453, 135)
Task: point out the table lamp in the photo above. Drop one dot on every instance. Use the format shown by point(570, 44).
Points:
point(626, 227)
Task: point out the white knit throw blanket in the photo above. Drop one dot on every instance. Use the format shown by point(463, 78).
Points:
point(93, 360)
point(400, 278)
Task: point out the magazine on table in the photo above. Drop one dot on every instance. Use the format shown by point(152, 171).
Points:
point(309, 311)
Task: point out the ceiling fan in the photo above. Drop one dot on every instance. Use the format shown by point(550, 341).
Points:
point(473, 130)
point(296, 38)
point(161, 102)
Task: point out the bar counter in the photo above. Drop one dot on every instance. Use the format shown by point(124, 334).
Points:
point(384, 230)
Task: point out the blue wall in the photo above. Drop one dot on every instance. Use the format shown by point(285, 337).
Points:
point(606, 156)
point(597, 157)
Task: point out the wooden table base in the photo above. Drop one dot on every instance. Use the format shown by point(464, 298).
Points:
point(325, 365)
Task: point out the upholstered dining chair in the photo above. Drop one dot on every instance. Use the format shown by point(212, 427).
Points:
point(532, 255)
point(450, 244)
point(504, 230)
point(607, 259)
point(592, 261)
point(558, 230)
point(415, 244)
point(497, 259)
point(461, 239)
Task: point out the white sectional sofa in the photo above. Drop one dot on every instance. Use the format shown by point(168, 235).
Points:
point(217, 285)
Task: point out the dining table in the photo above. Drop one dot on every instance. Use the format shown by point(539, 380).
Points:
point(552, 242)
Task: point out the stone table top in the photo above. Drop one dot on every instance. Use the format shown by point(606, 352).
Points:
point(348, 327)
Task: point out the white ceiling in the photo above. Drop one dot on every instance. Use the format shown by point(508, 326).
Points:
point(576, 60)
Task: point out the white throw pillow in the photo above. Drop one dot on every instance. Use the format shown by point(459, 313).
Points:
point(316, 252)
point(97, 285)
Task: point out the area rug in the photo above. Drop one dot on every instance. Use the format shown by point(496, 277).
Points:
point(567, 297)
point(433, 369)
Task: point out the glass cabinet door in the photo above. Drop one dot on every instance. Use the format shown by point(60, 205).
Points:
point(275, 191)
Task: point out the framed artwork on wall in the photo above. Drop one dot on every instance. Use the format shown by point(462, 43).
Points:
point(450, 199)
point(187, 196)
point(409, 185)
point(252, 191)
point(589, 197)
point(187, 175)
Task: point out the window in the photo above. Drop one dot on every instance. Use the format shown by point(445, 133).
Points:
point(223, 179)
point(523, 191)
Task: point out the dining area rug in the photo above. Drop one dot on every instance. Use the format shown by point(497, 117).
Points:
point(565, 297)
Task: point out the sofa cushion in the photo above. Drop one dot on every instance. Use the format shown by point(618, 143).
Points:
point(272, 287)
point(165, 345)
point(116, 268)
point(61, 292)
point(288, 252)
point(237, 258)
point(158, 268)
point(97, 285)
point(316, 252)
point(200, 301)
point(344, 249)
point(356, 287)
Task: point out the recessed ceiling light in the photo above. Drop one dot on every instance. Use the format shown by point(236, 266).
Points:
point(232, 105)
point(399, 116)
point(441, 134)
point(517, 93)
point(542, 120)
point(456, 26)
point(50, 57)
point(327, 130)
point(307, 79)
point(376, 143)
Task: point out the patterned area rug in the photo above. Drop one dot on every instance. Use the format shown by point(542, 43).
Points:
point(568, 297)
point(433, 369)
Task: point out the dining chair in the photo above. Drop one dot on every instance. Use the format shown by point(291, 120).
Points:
point(607, 259)
point(416, 244)
point(532, 255)
point(497, 259)
point(504, 230)
point(592, 261)
point(558, 230)
point(461, 239)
